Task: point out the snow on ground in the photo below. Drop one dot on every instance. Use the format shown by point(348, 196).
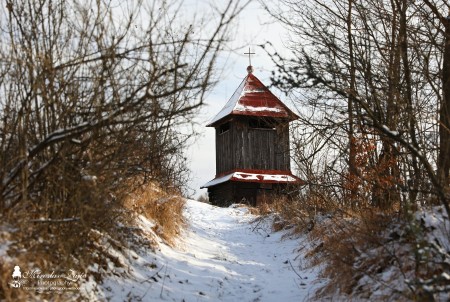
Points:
point(222, 256)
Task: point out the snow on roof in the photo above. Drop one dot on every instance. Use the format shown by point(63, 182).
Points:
point(252, 98)
point(218, 180)
point(259, 176)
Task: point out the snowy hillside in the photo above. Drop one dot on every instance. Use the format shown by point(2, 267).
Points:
point(222, 256)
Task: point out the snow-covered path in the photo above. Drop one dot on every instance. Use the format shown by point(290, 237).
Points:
point(222, 256)
point(225, 258)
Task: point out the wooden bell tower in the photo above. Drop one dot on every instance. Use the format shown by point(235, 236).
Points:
point(252, 146)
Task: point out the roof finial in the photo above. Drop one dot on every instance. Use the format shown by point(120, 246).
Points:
point(249, 53)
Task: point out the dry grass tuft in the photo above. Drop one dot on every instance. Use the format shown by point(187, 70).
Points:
point(360, 245)
point(40, 261)
point(52, 244)
point(53, 236)
point(350, 244)
point(164, 207)
point(297, 214)
point(339, 240)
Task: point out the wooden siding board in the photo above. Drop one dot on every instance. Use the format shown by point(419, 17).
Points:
point(261, 149)
point(228, 193)
point(252, 148)
point(282, 148)
point(222, 194)
point(224, 150)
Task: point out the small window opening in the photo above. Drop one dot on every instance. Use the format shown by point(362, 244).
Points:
point(224, 128)
point(260, 124)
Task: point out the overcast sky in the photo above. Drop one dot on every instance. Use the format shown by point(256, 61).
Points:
point(254, 27)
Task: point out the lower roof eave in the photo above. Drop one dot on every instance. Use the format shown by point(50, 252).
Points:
point(256, 176)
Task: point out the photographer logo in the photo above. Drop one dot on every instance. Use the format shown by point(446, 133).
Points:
point(16, 275)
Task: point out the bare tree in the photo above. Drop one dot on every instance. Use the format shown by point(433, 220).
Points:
point(360, 64)
point(93, 94)
point(443, 27)
point(87, 81)
point(372, 81)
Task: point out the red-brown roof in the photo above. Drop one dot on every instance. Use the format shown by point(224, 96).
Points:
point(258, 176)
point(252, 98)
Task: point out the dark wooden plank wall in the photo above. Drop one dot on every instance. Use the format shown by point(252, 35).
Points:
point(221, 194)
point(245, 192)
point(225, 150)
point(225, 194)
point(242, 147)
point(282, 148)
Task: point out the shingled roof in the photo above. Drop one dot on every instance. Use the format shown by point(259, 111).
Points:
point(253, 98)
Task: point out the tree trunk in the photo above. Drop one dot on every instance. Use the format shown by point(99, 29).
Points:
point(351, 135)
point(385, 193)
point(444, 113)
point(411, 121)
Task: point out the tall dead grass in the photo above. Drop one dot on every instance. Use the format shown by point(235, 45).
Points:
point(299, 213)
point(354, 246)
point(52, 234)
point(50, 244)
point(350, 244)
point(164, 207)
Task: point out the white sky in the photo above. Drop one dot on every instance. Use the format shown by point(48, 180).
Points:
point(254, 27)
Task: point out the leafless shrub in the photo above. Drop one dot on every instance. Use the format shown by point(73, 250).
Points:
point(93, 97)
point(298, 212)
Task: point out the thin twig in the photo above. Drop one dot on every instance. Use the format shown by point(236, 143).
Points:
point(295, 270)
point(56, 220)
point(148, 280)
point(162, 287)
point(152, 277)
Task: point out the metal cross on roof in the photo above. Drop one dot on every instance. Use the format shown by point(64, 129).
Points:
point(249, 53)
